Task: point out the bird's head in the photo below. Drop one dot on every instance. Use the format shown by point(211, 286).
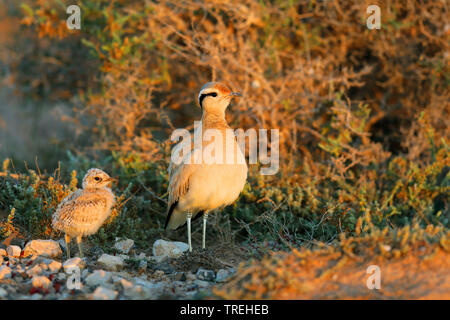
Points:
point(96, 178)
point(215, 97)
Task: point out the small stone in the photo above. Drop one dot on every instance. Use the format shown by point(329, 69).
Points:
point(202, 283)
point(126, 285)
point(109, 262)
point(35, 270)
point(5, 272)
point(206, 275)
point(3, 252)
point(154, 289)
point(122, 274)
point(41, 282)
point(158, 273)
point(84, 273)
point(140, 292)
point(98, 277)
point(13, 261)
point(123, 256)
point(142, 265)
point(54, 266)
point(61, 276)
point(45, 248)
point(165, 267)
point(13, 251)
point(19, 269)
point(36, 296)
point(76, 262)
point(191, 277)
point(124, 246)
point(158, 259)
point(180, 276)
point(3, 293)
point(223, 275)
point(102, 293)
point(141, 256)
point(169, 249)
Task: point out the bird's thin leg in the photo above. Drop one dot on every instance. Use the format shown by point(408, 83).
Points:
point(205, 217)
point(189, 216)
point(67, 238)
point(79, 246)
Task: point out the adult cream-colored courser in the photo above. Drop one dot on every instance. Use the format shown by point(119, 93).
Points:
point(196, 188)
point(84, 211)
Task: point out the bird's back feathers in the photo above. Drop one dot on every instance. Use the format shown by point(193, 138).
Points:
point(83, 211)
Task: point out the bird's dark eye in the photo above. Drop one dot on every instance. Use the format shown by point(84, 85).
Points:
point(213, 94)
point(97, 179)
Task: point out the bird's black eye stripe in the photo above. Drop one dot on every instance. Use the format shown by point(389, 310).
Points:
point(204, 95)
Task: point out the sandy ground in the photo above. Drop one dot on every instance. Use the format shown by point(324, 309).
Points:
point(418, 275)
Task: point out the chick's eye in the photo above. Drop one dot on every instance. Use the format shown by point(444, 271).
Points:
point(97, 179)
point(213, 94)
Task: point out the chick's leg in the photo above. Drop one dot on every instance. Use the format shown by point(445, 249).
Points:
point(67, 239)
point(79, 246)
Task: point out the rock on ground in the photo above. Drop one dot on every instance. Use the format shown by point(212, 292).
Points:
point(13, 251)
point(101, 276)
point(223, 275)
point(76, 262)
point(35, 270)
point(41, 282)
point(109, 262)
point(174, 249)
point(3, 293)
point(124, 246)
point(5, 272)
point(98, 277)
point(45, 248)
point(102, 293)
point(54, 266)
point(140, 293)
point(206, 275)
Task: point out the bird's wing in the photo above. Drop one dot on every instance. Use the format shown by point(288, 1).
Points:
point(79, 207)
point(179, 181)
point(178, 186)
point(180, 173)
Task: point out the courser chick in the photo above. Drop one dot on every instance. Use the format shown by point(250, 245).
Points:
point(84, 211)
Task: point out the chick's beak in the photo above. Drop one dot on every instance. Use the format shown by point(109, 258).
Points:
point(237, 94)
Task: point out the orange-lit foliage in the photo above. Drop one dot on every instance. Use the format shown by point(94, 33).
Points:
point(295, 62)
point(34, 198)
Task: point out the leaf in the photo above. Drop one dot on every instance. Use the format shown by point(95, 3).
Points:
point(27, 9)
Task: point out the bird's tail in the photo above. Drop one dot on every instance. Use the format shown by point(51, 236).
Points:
point(169, 213)
point(177, 220)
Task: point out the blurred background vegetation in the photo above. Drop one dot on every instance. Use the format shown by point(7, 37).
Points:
point(363, 114)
